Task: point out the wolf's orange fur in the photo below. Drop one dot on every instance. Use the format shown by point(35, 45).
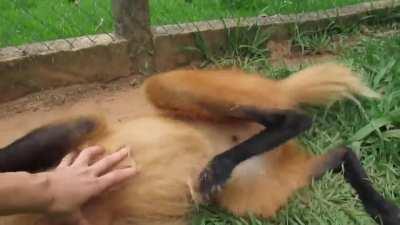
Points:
point(212, 93)
point(171, 152)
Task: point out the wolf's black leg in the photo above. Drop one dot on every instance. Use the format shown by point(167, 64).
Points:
point(281, 126)
point(381, 210)
point(44, 147)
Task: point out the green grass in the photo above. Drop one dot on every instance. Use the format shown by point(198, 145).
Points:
point(27, 21)
point(164, 11)
point(371, 128)
point(329, 201)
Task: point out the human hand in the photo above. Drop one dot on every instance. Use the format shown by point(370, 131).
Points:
point(78, 179)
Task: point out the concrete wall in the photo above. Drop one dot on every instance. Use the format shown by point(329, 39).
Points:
point(104, 57)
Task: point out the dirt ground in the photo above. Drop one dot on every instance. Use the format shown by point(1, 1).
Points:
point(118, 100)
point(121, 99)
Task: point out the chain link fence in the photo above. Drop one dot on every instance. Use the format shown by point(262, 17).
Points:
point(37, 21)
point(30, 21)
point(51, 43)
point(182, 11)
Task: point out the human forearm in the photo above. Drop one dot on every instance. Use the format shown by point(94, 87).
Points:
point(22, 192)
point(59, 193)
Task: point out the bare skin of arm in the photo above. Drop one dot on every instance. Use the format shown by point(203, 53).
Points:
point(77, 179)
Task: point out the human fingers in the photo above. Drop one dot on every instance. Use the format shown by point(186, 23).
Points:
point(87, 155)
point(114, 178)
point(68, 159)
point(108, 162)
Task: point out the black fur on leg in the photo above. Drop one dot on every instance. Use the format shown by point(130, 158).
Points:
point(381, 210)
point(281, 127)
point(44, 147)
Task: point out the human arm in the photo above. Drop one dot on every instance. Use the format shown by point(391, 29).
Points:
point(65, 189)
point(22, 192)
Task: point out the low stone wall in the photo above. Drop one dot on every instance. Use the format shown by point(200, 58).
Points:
point(104, 57)
point(37, 68)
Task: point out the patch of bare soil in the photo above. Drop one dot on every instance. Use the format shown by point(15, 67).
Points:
point(282, 54)
point(118, 100)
